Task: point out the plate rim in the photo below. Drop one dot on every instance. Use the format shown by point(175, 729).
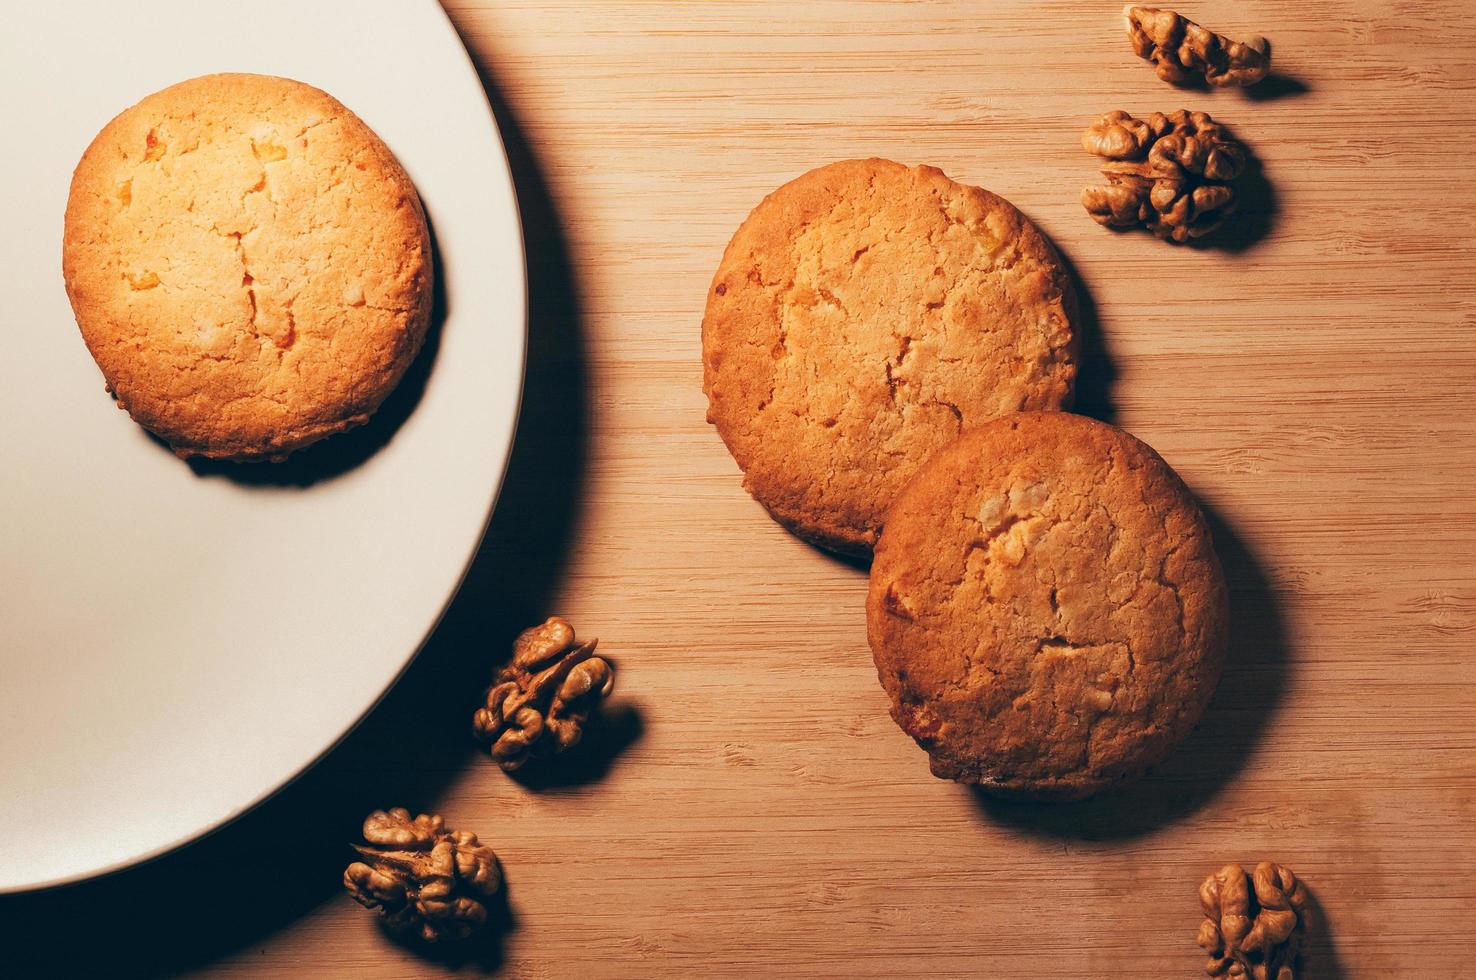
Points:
point(509, 186)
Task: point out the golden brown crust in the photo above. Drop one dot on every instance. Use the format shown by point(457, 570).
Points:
point(862, 316)
point(248, 263)
point(1046, 609)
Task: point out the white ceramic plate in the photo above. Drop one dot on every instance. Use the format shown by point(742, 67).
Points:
point(176, 645)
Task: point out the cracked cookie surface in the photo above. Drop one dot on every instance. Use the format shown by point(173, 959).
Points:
point(248, 263)
point(1046, 610)
point(863, 316)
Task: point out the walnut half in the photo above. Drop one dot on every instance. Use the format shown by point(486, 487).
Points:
point(1180, 49)
point(1255, 925)
point(422, 878)
point(1169, 173)
point(540, 702)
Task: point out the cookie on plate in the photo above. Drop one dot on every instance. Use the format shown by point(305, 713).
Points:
point(863, 316)
point(248, 263)
point(1046, 610)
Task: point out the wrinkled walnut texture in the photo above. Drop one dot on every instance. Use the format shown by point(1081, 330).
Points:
point(540, 702)
point(422, 878)
point(1180, 49)
point(1255, 925)
point(1169, 173)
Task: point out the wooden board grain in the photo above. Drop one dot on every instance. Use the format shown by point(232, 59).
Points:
point(750, 809)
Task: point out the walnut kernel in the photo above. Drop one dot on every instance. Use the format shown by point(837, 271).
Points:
point(539, 703)
point(1255, 925)
point(422, 878)
point(1170, 173)
point(1180, 49)
point(1117, 136)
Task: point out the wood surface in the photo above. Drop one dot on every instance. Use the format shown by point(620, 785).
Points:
point(748, 808)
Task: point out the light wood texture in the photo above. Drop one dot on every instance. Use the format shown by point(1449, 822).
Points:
point(756, 812)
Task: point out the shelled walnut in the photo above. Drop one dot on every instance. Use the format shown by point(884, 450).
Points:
point(1169, 173)
point(1255, 925)
point(421, 877)
point(1180, 49)
point(540, 702)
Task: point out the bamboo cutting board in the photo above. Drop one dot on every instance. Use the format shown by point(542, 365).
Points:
point(749, 809)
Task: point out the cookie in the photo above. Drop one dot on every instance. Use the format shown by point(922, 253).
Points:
point(248, 263)
point(1046, 610)
point(863, 316)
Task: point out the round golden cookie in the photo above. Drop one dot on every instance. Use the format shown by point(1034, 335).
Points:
point(865, 314)
point(1046, 610)
point(248, 263)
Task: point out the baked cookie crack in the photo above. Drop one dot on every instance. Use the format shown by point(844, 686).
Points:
point(957, 412)
point(248, 281)
point(834, 300)
point(290, 338)
point(312, 126)
point(1172, 587)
